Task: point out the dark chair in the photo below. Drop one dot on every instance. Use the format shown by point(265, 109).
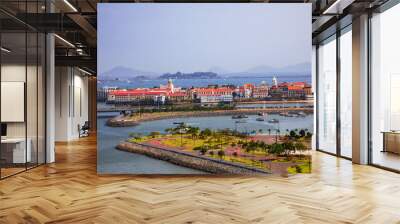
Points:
point(84, 130)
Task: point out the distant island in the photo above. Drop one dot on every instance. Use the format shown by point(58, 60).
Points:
point(194, 75)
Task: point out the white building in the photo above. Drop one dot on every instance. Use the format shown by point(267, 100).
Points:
point(214, 99)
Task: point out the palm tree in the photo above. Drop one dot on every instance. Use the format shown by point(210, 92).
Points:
point(276, 136)
point(193, 131)
point(168, 130)
point(221, 153)
point(269, 131)
point(154, 134)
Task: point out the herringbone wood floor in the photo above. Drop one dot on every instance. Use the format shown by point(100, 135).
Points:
point(70, 191)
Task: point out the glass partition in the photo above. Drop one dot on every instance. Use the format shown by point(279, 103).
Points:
point(346, 93)
point(13, 92)
point(22, 88)
point(385, 89)
point(327, 95)
point(41, 97)
point(31, 97)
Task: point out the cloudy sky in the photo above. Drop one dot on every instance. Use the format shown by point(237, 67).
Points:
point(197, 37)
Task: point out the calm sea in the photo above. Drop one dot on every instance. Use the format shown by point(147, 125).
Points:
point(110, 160)
point(203, 82)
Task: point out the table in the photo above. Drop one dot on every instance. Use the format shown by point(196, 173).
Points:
point(391, 141)
point(16, 147)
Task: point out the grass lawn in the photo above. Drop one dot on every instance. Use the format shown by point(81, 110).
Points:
point(304, 168)
point(229, 145)
point(140, 140)
point(187, 142)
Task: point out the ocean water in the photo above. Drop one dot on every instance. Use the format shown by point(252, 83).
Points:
point(203, 82)
point(113, 161)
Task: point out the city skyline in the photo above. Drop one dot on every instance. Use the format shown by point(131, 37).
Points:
point(207, 37)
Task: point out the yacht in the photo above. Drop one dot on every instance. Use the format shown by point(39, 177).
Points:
point(260, 119)
point(240, 116)
point(273, 121)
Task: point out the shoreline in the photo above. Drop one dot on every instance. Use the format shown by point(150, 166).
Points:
point(308, 101)
point(208, 165)
point(275, 102)
point(126, 121)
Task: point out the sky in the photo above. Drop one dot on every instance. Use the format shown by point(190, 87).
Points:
point(235, 37)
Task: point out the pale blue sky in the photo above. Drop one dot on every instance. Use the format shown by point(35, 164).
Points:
point(196, 37)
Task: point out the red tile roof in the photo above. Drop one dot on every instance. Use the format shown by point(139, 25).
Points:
point(295, 88)
point(177, 94)
point(212, 91)
point(302, 84)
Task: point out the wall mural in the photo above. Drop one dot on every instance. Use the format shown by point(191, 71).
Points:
point(204, 89)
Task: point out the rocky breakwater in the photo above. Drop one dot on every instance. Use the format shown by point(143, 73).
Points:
point(206, 164)
point(121, 121)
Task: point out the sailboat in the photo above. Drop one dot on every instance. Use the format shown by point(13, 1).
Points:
point(262, 118)
point(262, 113)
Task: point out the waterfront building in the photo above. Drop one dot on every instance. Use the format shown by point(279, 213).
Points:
point(102, 93)
point(207, 100)
point(260, 91)
point(248, 90)
point(137, 95)
point(295, 92)
point(197, 93)
point(178, 96)
point(308, 92)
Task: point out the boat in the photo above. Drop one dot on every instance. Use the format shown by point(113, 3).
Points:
point(240, 116)
point(260, 119)
point(284, 114)
point(273, 121)
point(260, 114)
point(240, 122)
point(301, 114)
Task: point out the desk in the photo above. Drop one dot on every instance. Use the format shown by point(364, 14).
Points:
point(391, 141)
point(16, 147)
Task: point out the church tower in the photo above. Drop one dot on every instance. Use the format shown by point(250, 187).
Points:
point(170, 85)
point(275, 81)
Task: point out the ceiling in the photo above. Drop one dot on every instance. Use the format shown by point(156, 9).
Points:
point(75, 21)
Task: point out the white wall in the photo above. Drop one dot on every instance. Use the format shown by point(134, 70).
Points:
point(71, 103)
point(33, 126)
point(16, 73)
point(10, 73)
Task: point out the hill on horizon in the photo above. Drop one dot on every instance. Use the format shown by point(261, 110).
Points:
point(122, 72)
